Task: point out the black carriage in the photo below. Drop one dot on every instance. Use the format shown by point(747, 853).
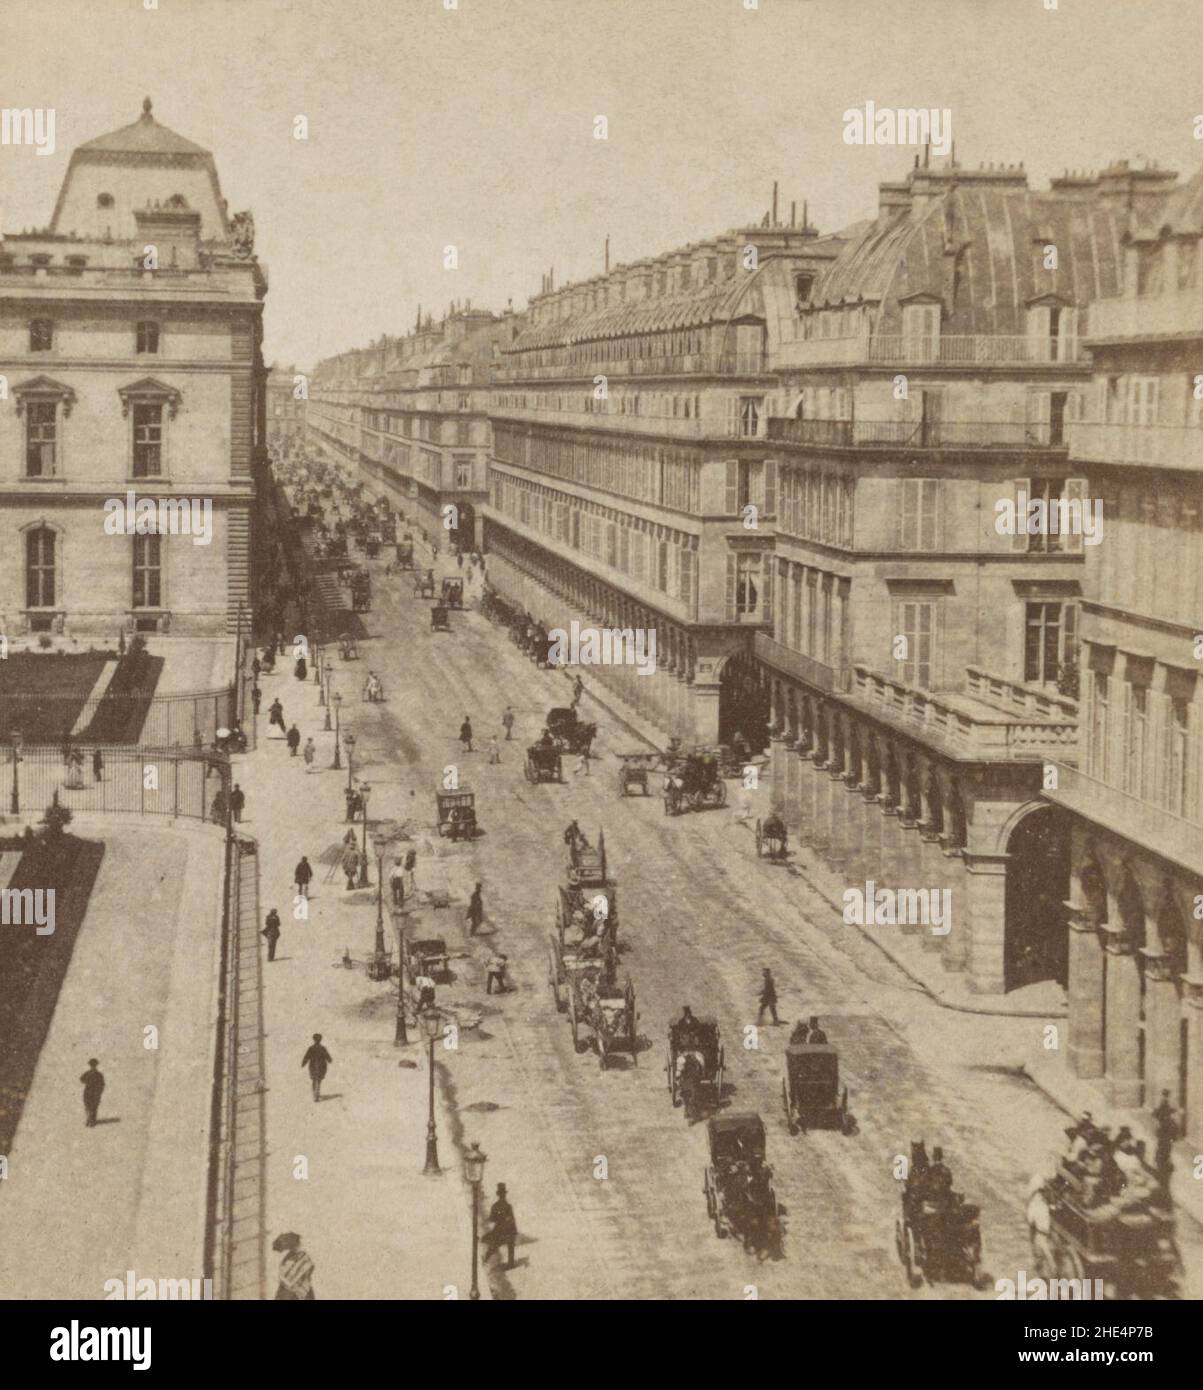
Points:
point(612, 1017)
point(348, 646)
point(453, 593)
point(938, 1239)
point(429, 957)
point(811, 1090)
point(405, 555)
point(738, 1184)
point(693, 782)
point(456, 814)
point(635, 772)
point(597, 906)
point(772, 838)
point(544, 763)
point(424, 585)
point(1128, 1245)
point(696, 1064)
point(440, 620)
point(594, 955)
point(572, 734)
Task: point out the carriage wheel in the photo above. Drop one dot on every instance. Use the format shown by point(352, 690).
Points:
point(913, 1259)
point(576, 1044)
point(530, 777)
point(672, 1080)
point(789, 1118)
point(707, 1193)
point(759, 839)
point(668, 810)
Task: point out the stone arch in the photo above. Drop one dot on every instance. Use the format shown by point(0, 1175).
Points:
point(933, 803)
point(743, 701)
point(1037, 886)
point(893, 777)
point(956, 831)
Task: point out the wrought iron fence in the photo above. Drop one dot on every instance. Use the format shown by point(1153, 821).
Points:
point(137, 781)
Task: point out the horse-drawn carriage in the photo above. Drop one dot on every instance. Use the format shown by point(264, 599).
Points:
point(772, 838)
point(571, 733)
point(456, 813)
point(694, 781)
point(361, 591)
point(572, 951)
point(937, 1234)
point(544, 763)
point(429, 957)
point(452, 592)
point(1128, 1245)
point(348, 646)
point(695, 1064)
point(424, 584)
point(440, 620)
point(635, 771)
point(595, 1002)
point(738, 1184)
point(811, 1091)
point(405, 555)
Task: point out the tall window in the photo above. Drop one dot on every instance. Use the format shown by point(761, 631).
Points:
point(915, 621)
point(917, 513)
point(148, 571)
point(463, 432)
point(1176, 764)
point(148, 336)
point(921, 332)
point(40, 570)
point(41, 439)
point(749, 416)
point(743, 584)
point(1049, 635)
point(148, 441)
point(1100, 728)
point(1136, 730)
point(41, 335)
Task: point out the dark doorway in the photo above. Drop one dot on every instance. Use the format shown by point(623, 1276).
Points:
point(1036, 945)
point(463, 534)
point(744, 703)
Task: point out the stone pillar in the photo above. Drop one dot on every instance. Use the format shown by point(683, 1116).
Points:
point(837, 801)
point(1121, 1038)
point(1194, 1060)
point(778, 773)
point(1163, 1027)
point(821, 835)
point(987, 917)
point(705, 711)
point(955, 946)
point(931, 856)
point(909, 866)
point(793, 789)
point(807, 778)
point(890, 871)
point(872, 857)
point(1086, 972)
point(856, 812)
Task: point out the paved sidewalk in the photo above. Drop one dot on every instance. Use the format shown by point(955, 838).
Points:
point(346, 1173)
point(129, 1194)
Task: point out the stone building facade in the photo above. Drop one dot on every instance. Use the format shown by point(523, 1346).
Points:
point(130, 351)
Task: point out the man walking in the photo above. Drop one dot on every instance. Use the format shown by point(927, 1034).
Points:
point(302, 875)
point(1166, 1119)
point(237, 801)
point(97, 765)
point(318, 1060)
point(308, 753)
point(476, 911)
point(503, 1228)
point(275, 715)
point(93, 1081)
point(396, 882)
point(271, 931)
point(351, 865)
point(494, 749)
point(507, 722)
point(294, 740)
point(256, 697)
point(495, 974)
point(296, 1270)
point(768, 997)
point(411, 864)
point(465, 734)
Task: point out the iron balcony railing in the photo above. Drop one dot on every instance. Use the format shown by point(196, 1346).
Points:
point(691, 363)
point(952, 350)
point(916, 434)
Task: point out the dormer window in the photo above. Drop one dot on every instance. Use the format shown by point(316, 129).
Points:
point(803, 284)
point(148, 336)
point(105, 200)
point(41, 335)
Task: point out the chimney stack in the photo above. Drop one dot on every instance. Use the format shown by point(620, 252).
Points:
point(774, 222)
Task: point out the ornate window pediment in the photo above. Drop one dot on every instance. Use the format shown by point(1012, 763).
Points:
point(149, 391)
point(43, 388)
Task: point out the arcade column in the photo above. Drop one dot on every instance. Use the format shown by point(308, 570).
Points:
point(1086, 974)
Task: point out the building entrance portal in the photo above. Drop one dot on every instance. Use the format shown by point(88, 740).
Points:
point(1036, 944)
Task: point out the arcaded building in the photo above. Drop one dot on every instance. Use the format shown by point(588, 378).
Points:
point(1135, 800)
point(130, 333)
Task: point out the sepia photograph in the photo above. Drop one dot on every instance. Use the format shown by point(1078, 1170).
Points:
point(601, 630)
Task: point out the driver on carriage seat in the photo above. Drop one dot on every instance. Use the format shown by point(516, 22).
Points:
point(937, 1180)
point(816, 1033)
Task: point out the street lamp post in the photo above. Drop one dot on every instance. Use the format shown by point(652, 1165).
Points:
point(349, 740)
point(338, 702)
point(474, 1171)
point(327, 698)
point(319, 678)
point(317, 664)
point(15, 805)
point(432, 1023)
point(380, 964)
point(364, 792)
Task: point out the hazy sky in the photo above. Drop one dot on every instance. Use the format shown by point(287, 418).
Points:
point(474, 126)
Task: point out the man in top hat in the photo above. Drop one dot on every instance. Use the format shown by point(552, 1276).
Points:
point(503, 1228)
point(93, 1082)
